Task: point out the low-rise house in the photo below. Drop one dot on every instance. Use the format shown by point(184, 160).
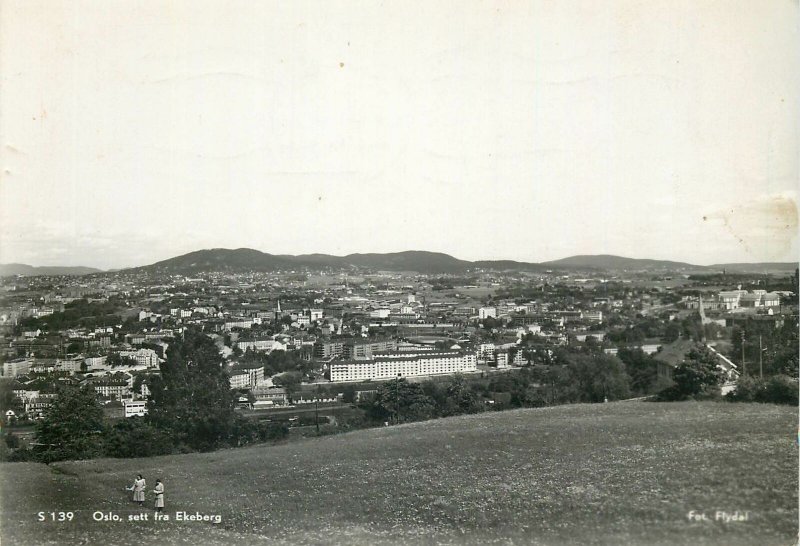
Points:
point(265, 345)
point(675, 353)
point(134, 408)
point(592, 316)
point(276, 395)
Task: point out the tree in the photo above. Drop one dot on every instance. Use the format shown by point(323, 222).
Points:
point(8, 401)
point(348, 394)
point(592, 346)
point(642, 369)
point(671, 332)
point(12, 441)
point(134, 437)
point(490, 322)
point(71, 427)
point(398, 401)
point(192, 397)
point(289, 381)
point(535, 397)
point(460, 398)
point(594, 378)
point(697, 376)
point(116, 359)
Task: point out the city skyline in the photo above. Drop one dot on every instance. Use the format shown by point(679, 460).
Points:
point(529, 132)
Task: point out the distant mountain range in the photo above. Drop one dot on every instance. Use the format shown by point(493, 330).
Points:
point(30, 271)
point(618, 263)
point(246, 259)
point(607, 261)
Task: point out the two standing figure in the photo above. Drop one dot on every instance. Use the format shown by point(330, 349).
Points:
point(138, 488)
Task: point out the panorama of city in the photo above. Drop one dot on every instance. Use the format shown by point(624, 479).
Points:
point(418, 273)
point(336, 364)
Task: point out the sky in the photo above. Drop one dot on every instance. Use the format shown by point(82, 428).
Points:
point(131, 132)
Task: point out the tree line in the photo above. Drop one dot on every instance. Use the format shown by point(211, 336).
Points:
point(572, 376)
point(78, 313)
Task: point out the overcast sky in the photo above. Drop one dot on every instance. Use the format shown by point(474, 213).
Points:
point(135, 131)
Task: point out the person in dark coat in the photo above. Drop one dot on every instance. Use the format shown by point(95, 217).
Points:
point(159, 493)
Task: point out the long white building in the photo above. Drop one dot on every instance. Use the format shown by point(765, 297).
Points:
point(390, 365)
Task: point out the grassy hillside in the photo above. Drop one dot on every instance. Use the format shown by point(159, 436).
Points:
point(619, 473)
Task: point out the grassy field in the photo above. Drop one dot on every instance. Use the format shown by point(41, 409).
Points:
point(619, 473)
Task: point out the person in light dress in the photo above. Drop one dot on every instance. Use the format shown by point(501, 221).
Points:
point(138, 489)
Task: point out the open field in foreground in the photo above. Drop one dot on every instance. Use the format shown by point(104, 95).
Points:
point(619, 473)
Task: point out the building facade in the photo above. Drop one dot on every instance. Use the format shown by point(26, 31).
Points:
point(389, 366)
point(246, 378)
point(143, 357)
point(16, 368)
point(363, 350)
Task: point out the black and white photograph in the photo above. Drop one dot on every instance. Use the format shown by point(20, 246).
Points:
point(383, 272)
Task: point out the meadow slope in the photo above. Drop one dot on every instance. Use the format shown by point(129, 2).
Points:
point(618, 473)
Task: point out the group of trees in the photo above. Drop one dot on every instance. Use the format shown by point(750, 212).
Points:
point(400, 401)
point(276, 362)
point(776, 389)
point(571, 377)
point(654, 328)
point(77, 313)
point(191, 408)
point(766, 349)
point(699, 377)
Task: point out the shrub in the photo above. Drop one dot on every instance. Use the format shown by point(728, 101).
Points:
point(781, 389)
point(272, 431)
point(778, 389)
point(134, 437)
